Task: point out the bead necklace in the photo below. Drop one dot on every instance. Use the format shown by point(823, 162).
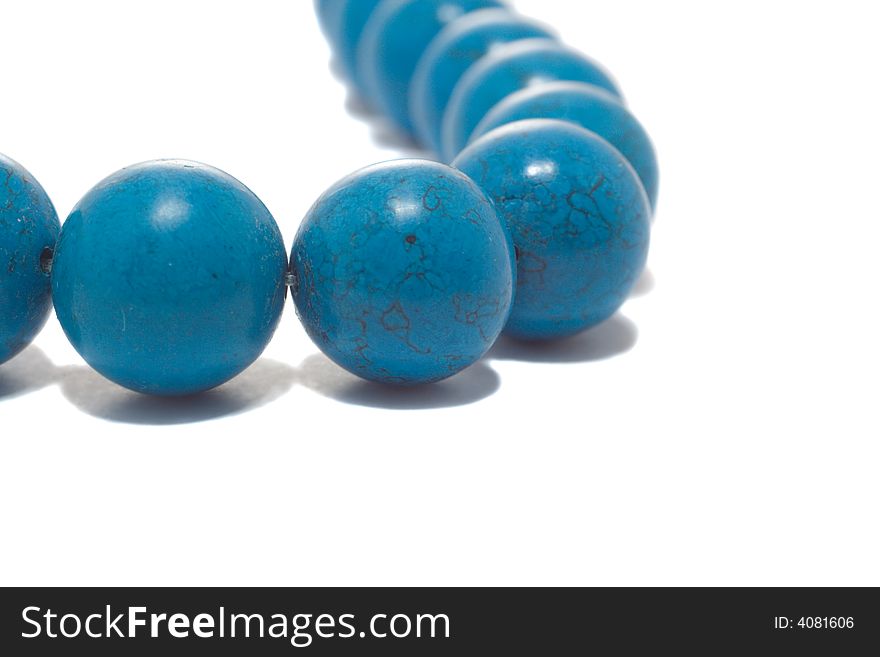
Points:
point(170, 277)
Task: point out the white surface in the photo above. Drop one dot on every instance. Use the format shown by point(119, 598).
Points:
point(723, 430)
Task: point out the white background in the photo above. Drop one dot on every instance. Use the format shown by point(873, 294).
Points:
point(721, 430)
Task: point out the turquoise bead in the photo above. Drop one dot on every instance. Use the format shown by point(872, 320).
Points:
point(28, 231)
point(353, 17)
point(508, 69)
point(396, 35)
point(403, 272)
point(461, 44)
point(591, 108)
point(579, 218)
point(329, 14)
point(169, 277)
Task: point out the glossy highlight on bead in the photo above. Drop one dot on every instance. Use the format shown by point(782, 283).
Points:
point(507, 69)
point(169, 277)
point(579, 217)
point(403, 272)
point(29, 229)
point(458, 47)
point(589, 107)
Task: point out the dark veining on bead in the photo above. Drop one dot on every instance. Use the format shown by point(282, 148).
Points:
point(579, 218)
point(412, 292)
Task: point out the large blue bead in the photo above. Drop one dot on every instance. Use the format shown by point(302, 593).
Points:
point(579, 218)
point(510, 68)
point(354, 15)
point(454, 51)
point(169, 277)
point(28, 232)
point(404, 273)
point(591, 108)
point(396, 35)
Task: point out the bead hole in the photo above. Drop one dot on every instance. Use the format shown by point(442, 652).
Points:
point(47, 257)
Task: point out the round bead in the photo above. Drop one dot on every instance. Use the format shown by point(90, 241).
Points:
point(509, 68)
point(354, 15)
point(403, 272)
point(579, 218)
point(396, 35)
point(169, 277)
point(28, 232)
point(461, 43)
point(591, 108)
point(329, 14)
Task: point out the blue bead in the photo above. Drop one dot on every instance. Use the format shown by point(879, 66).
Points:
point(394, 39)
point(28, 232)
point(510, 68)
point(454, 51)
point(354, 15)
point(329, 17)
point(579, 218)
point(591, 108)
point(404, 273)
point(169, 277)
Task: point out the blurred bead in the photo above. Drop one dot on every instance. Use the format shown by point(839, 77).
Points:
point(579, 218)
point(404, 273)
point(591, 108)
point(394, 39)
point(507, 69)
point(169, 277)
point(354, 15)
point(451, 53)
point(28, 231)
point(329, 14)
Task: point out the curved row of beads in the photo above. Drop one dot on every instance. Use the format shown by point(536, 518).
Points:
point(447, 71)
point(169, 277)
point(541, 128)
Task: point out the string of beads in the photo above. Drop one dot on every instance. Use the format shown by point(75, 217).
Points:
point(170, 277)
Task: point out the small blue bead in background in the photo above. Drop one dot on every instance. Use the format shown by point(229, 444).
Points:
point(395, 37)
point(354, 15)
point(579, 217)
point(404, 273)
point(28, 231)
point(512, 67)
point(169, 277)
point(329, 14)
point(591, 108)
point(450, 54)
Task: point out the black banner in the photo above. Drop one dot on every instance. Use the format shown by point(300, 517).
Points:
point(517, 621)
